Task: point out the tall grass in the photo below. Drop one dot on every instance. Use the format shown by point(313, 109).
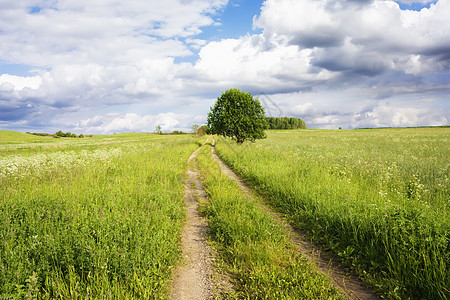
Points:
point(94, 221)
point(378, 198)
point(252, 247)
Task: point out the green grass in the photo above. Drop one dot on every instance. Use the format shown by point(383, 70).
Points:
point(379, 199)
point(100, 217)
point(13, 140)
point(7, 136)
point(252, 247)
point(97, 217)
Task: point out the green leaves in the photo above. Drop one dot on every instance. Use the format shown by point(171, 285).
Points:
point(237, 115)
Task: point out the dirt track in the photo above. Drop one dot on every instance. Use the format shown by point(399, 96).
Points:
point(192, 280)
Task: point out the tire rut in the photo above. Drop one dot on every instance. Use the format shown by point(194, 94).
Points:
point(349, 285)
point(192, 279)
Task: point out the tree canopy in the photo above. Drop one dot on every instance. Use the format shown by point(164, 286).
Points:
point(285, 123)
point(236, 114)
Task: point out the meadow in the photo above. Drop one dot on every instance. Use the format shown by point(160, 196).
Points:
point(378, 199)
point(96, 217)
point(101, 216)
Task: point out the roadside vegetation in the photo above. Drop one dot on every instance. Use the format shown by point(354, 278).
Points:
point(252, 247)
point(379, 199)
point(101, 217)
point(95, 220)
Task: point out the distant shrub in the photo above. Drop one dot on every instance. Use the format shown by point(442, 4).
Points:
point(38, 133)
point(203, 130)
point(60, 134)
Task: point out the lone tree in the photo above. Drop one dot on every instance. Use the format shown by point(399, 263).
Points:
point(195, 128)
point(237, 115)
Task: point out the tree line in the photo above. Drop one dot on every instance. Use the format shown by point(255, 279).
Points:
point(285, 123)
point(59, 134)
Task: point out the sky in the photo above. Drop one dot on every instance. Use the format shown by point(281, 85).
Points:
point(105, 66)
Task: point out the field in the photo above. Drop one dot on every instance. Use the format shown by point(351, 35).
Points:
point(379, 199)
point(95, 217)
point(101, 217)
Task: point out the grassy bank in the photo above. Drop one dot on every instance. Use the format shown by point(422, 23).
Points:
point(378, 198)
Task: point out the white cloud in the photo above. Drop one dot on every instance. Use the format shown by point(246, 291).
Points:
point(100, 32)
point(390, 116)
point(116, 122)
point(293, 16)
point(325, 120)
point(101, 53)
point(196, 44)
point(323, 42)
point(307, 109)
point(355, 108)
point(18, 83)
point(258, 61)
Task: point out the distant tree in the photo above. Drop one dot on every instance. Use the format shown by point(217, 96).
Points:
point(195, 128)
point(236, 114)
point(60, 134)
point(158, 129)
point(81, 136)
point(203, 130)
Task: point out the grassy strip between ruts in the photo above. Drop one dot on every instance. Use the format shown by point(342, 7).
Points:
point(254, 249)
point(377, 198)
point(102, 221)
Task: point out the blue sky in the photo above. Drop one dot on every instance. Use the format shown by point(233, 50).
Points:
point(417, 6)
point(103, 67)
point(14, 69)
point(234, 20)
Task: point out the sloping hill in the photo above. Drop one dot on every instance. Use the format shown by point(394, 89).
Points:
point(7, 136)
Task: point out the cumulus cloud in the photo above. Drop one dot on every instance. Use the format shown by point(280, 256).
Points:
point(384, 115)
point(83, 30)
point(355, 108)
point(306, 44)
point(97, 54)
point(325, 120)
point(369, 39)
point(307, 109)
point(17, 83)
point(372, 46)
point(117, 122)
point(260, 63)
point(69, 39)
